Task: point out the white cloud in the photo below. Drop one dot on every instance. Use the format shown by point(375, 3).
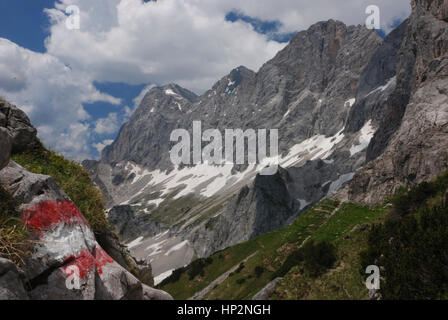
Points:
point(129, 41)
point(188, 42)
point(101, 145)
point(296, 15)
point(108, 125)
point(157, 42)
point(52, 94)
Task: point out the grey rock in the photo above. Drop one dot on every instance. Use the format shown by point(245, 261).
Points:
point(267, 291)
point(62, 245)
point(139, 139)
point(145, 272)
point(371, 103)
point(129, 225)
point(374, 294)
point(11, 282)
point(416, 151)
point(154, 294)
point(19, 127)
point(5, 147)
point(303, 90)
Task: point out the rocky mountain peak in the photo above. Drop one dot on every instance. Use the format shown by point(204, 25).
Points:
point(438, 8)
point(229, 83)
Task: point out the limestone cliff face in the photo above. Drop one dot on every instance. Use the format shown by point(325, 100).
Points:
point(417, 150)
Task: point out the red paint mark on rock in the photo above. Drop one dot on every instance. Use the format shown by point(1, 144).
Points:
point(49, 213)
point(86, 261)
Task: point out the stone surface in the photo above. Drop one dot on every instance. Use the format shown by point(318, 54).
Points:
point(267, 291)
point(65, 248)
point(11, 282)
point(416, 151)
point(5, 147)
point(18, 125)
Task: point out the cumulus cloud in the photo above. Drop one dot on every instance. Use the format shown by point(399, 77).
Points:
point(156, 42)
point(52, 94)
point(108, 125)
point(101, 145)
point(188, 42)
point(136, 42)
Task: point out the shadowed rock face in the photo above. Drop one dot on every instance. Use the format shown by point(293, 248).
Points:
point(5, 147)
point(416, 151)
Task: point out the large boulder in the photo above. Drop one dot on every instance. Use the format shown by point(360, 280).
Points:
point(11, 282)
point(5, 146)
point(19, 127)
point(66, 261)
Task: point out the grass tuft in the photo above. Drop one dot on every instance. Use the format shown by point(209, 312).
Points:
point(73, 180)
point(14, 243)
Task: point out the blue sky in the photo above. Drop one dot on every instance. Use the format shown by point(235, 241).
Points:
point(81, 85)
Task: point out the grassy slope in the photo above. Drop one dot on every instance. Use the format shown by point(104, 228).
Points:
point(272, 249)
point(72, 178)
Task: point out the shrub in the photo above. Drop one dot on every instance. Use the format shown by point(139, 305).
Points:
point(411, 249)
point(318, 258)
point(175, 276)
point(240, 268)
point(197, 267)
point(258, 271)
point(315, 258)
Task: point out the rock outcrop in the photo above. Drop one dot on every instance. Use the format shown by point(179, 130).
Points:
point(415, 150)
point(66, 261)
point(11, 281)
point(16, 131)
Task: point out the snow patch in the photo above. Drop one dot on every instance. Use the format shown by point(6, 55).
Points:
point(320, 145)
point(134, 243)
point(162, 276)
point(303, 203)
point(336, 185)
point(176, 247)
point(170, 92)
point(383, 88)
point(350, 102)
point(367, 133)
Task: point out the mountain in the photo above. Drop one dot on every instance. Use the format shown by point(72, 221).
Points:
point(307, 91)
point(392, 214)
point(410, 145)
point(348, 106)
